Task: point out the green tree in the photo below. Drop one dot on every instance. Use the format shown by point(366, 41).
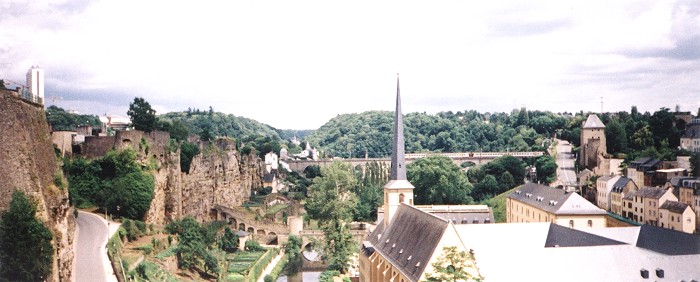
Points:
point(292, 249)
point(454, 265)
point(511, 164)
point(179, 131)
point(228, 241)
point(616, 137)
point(129, 195)
point(331, 202)
point(143, 117)
point(26, 253)
point(642, 138)
point(439, 181)
point(486, 188)
point(187, 152)
point(546, 169)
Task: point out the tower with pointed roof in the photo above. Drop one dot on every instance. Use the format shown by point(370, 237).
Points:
point(398, 190)
point(593, 143)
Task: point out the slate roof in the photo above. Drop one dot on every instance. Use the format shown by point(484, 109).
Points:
point(556, 201)
point(410, 240)
point(678, 181)
point(647, 192)
point(639, 162)
point(620, 184)
point(593, 122)
point(460, 214)
point(692, 131)
point(560, 237)
point(674, 207)
point(667, 241)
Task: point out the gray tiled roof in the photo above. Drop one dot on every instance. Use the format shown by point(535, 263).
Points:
point(674, 207)
point(620, 184)
point(410, 240)
point(553, 200)
point(667, 241)
point(593, 122)
point(647, 192)
point(560, 237)
point(692, 131)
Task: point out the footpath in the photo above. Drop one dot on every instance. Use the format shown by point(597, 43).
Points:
point(271, 266)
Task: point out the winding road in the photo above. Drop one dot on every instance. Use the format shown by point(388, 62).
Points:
point(91, 261)
point(565, 164)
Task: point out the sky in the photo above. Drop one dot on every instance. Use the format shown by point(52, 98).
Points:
point(297, 64)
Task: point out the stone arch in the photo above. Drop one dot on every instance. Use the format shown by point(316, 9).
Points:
point(261, 232)
point(272, 233)
point(251, 230)
point(232, 221)
point(126, 142)
point(241, 227)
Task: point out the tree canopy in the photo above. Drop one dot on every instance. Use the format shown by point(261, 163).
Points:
point(143, 117)
point(438, 181)
point(332, 202)
point(26, 253)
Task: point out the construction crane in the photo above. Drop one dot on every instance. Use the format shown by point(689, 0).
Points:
point(54, 98)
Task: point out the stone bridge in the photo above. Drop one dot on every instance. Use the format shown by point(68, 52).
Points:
point(267, 230)
point(478, 158)
point(245, 221)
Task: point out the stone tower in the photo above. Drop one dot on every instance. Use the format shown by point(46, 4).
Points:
point(593, 146)
point(398, 190)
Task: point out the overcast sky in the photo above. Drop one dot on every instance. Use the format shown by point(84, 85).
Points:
point(296, 64)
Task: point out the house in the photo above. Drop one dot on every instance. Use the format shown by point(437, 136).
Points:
point(604, 186)
point(642, 206)
point(677, 216)
point(689, 194)
point(663, 176)
point(642, 170)
point(690, 140)
point(532, 202)
point(622, 187)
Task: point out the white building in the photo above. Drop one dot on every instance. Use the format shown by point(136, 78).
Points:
point(35, 83)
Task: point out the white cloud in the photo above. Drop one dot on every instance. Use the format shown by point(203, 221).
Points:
point(297, 64)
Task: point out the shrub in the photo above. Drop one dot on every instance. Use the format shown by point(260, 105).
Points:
point(253, 246)
point(268, 278)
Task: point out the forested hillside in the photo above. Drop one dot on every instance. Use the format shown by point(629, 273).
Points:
point(353, 135)
point(210, 123)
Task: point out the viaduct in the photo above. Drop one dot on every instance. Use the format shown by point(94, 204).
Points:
point(478, 158)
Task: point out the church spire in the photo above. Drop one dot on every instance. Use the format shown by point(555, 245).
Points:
point(398, 160)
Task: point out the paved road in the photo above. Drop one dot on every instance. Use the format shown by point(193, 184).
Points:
point(90, 250)
point(565, 163)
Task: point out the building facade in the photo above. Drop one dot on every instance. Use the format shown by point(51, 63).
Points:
point(35, 83)
point(677, 216)
point(593, 143)
point(604, 186)
point(622, 187)
point(532, 202)
point(642, 206)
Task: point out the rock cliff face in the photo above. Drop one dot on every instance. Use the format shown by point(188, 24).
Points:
point(219, 175)
point(29, 164)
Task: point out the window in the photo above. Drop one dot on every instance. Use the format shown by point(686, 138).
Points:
point(590, 223)
point(571, 223)
point(401, 198)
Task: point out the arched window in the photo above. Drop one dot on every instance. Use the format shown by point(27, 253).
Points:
point(590, 223)
point(571, 223)
point(401, 198)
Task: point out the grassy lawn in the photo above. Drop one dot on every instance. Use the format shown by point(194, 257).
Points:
point(498, 204)
point(276, 208)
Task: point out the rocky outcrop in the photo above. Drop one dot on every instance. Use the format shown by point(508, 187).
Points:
point(218, 176)
point(30, 165)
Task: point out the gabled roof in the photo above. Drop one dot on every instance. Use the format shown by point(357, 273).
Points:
point(560, 237)
point(647, 192)
point(674, 207)
point(593, 122)
point(410, 240)
point(620, 184)
point(692, 131)
point(639, 162)
point(460, 214)
point(678, 181)
point(667, 241)
point(556, 201)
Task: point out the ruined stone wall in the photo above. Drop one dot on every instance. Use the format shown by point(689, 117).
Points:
point(29, 164)
point(96, 146)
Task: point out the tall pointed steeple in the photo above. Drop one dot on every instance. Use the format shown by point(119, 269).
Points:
point(398, 160)
point(398, 190)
